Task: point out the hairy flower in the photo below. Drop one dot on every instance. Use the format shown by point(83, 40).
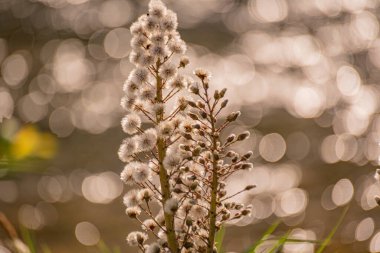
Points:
point(131, 123)
point(168, 70)
point(172, 161)
point(128, 102)
point(133, 211)
point(126, 174)
point(147, 140)
point(130, 198)
point(139, 42)
point(169, 22)
point(157, 9)
point(177, 82)
point(127, 149)
point(202, 73)
point(141, 172)
point(148, 93)
point(171, 206)
point(159, 51)
point(135, 56)
point(139, 75)
point(158, 39)
point(153, 248)
point(130, 87)
point(177, 46)
point(136, 238)
point(149, 224)
point(158, 108)
point(146, 60)
point(165, 128)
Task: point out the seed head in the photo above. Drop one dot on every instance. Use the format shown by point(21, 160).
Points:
point(171, 206)
point(130, 123)
point(159, 51)
point(141, 172)
point(139, 75)
point(169, 22)
point(202, 74)
point(168, 70)
point(133, 211)
point(136, 238)
point(184, 61)
point(127, 149)
point(130, 198)
point(153, 248)
point(177, 82)
point(147, 140)
point(130, 87)
point(126, 174)
point(178, 46)
point(145, 195)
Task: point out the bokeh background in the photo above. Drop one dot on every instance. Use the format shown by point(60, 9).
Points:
point(304, 73)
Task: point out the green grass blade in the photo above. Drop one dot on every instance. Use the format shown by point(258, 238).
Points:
point(290, 240)
point(333, 231)
point(293, 240)
point(264, 237)
point(45, 249)
point(116, 250)
point(103, 248)
point(280, 242)
point(219, 239)
point(28, 239)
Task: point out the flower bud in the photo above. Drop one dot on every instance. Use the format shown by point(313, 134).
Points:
point(243, 136)
point(249, 187)
point(191, 103)
point(247, 156)
point(233, 116)
point(203, 114)
point(216, 95)
point(194, 89)
point(222, 92)
point(193, 116)
point(224, 103)
point(189, 222)
point(184, 61)
point(230, 138)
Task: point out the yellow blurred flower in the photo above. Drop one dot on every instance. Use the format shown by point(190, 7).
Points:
point(29, 142)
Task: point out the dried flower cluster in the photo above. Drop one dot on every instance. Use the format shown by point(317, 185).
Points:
point(179, 163)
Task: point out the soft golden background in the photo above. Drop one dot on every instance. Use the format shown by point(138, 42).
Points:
point(305, 74)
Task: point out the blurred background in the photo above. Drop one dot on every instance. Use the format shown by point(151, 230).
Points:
point(304, 73)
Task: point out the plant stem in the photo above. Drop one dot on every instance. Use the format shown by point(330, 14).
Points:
point(164, 179)
point(214, 183)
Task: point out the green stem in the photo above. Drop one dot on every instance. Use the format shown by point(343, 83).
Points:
point(164, 178)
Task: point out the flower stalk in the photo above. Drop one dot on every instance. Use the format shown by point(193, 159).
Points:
point(179, 164)
point(164, 179)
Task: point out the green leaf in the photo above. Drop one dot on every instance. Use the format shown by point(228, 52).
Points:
point(219, 238)
point(280, 242)
point(264, 237)
point(333, 231)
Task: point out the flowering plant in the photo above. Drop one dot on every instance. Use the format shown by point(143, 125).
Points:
point(179, 162)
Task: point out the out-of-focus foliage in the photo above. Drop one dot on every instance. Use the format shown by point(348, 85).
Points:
point(28, 142)
point(22, 149)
